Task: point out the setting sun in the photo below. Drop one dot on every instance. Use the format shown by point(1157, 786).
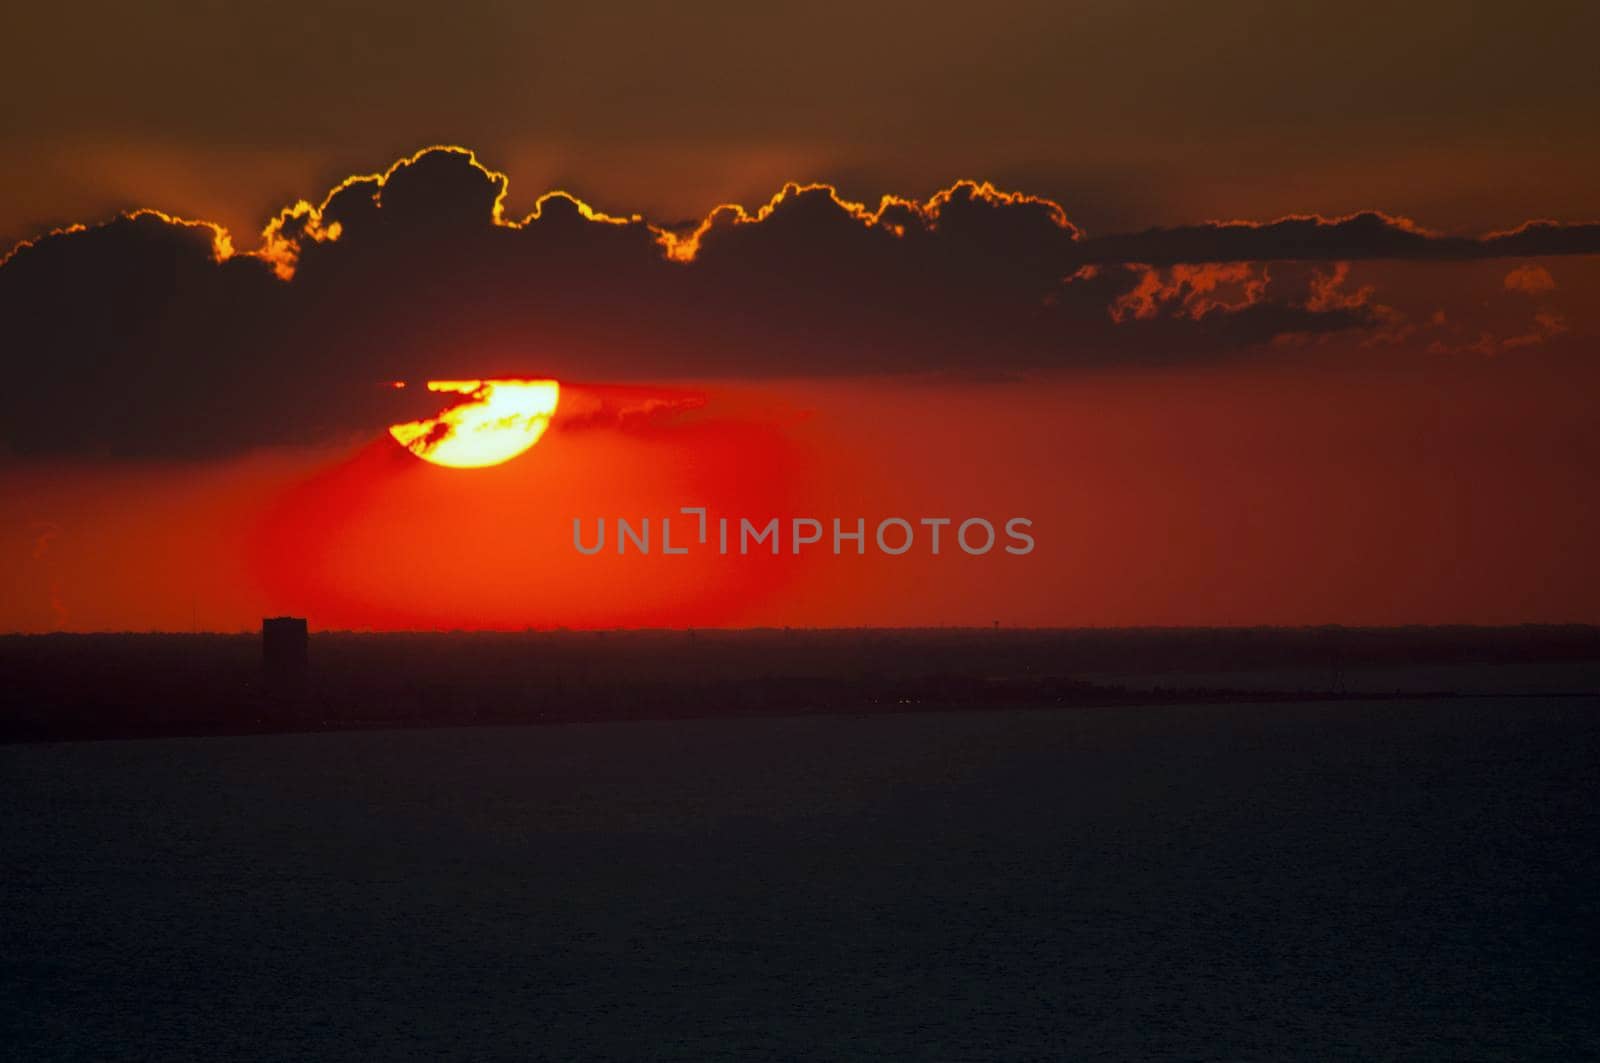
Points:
point(495, 421)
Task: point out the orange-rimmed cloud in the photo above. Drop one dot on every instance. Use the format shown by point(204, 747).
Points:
point(221, 239)
point(152, 334)
point(304, 221)
point(1301, 236)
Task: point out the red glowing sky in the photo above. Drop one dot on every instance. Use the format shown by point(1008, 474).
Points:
point(1211, 498)
point(1259, 314)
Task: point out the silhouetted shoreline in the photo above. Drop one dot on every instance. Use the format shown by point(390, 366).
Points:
point(79, 687)
point(1104, 698)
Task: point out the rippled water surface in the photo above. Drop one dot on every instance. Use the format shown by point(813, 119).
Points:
point(1336, 880)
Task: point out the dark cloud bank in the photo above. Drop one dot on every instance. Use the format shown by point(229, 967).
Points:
point(149, 336)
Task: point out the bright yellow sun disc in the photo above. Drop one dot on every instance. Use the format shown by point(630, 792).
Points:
point(496, 421)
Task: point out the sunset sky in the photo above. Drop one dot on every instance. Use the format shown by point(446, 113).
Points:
point(1259, 315)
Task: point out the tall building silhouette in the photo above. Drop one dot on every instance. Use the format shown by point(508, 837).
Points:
point(284, 655)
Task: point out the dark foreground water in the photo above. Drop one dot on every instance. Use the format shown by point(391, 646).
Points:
point(1403, 880)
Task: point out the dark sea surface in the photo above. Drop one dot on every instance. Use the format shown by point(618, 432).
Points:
point(1357, 880)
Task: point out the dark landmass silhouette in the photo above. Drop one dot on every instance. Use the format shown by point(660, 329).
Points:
point(72, 686)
